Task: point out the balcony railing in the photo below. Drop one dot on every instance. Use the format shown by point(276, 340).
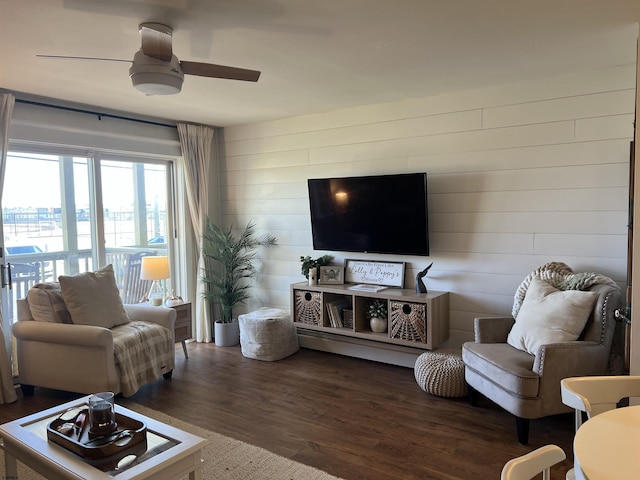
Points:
point(30, 269)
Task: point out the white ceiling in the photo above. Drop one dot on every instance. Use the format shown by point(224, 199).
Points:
point(315, 55)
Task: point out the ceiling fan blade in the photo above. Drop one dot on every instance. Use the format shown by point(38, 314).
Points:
point(67, 57)
point(156, 41)
point(219, 71)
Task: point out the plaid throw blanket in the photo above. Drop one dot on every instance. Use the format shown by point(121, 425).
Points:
point(143, 351)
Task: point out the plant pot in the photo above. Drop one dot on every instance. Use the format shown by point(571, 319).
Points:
point(226, 334)
point(378, 325)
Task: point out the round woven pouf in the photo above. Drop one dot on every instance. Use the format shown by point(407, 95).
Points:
point(441, 373)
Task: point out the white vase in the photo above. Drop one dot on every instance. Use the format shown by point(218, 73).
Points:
point(378, 325)
point(226, 334)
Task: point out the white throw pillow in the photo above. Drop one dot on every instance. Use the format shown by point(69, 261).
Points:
point(549, 315)
point(93, 298)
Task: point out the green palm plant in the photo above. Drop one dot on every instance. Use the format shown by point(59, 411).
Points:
point(229, 265)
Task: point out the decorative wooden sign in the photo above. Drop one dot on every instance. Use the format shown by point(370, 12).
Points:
point(390, 274)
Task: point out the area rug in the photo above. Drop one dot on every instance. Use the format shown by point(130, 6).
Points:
point(224, 457)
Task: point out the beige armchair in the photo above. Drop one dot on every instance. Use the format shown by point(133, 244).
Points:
point(80, 358)
point(76, 335)
point(527, 384)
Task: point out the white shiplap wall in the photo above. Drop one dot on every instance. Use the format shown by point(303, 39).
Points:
point(518, 175)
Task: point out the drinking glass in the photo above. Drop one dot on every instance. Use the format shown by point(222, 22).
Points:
point(102, 416)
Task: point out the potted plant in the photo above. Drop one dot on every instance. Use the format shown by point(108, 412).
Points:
point(378, 315)
point(229, 266)
point(308, 263)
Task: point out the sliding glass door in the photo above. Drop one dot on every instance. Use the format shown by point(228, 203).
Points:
point(66, 214)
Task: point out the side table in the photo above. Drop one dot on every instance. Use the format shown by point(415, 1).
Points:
point(183, 330)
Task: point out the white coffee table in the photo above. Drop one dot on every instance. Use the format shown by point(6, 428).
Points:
point(171, 453)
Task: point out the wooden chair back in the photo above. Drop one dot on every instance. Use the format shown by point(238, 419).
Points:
point(135, 290)
point(23, 277)
point(533, 463)
point(594, 395)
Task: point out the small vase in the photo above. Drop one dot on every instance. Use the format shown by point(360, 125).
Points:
point(378, 325)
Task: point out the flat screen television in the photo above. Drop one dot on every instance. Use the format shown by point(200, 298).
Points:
point(373, 214)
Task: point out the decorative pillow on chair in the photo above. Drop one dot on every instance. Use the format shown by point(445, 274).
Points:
point(549, 315)
point(46, 303)
point(93, 298)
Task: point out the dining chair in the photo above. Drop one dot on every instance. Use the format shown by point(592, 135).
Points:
point(533, 463)
point(135, 289)
point(597, 394)
point(593, 395)
point(23, 276)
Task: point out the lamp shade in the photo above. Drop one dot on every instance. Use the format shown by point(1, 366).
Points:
point(154, 267)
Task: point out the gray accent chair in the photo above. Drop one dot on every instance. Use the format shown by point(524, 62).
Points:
point(528, 386)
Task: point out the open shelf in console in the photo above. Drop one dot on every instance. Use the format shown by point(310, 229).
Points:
point(334, 306)
point(418, 320)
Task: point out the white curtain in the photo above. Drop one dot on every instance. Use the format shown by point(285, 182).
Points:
point(7, 392)
point(196, 141)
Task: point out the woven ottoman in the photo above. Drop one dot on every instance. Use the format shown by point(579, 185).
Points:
point(267, 334)
point(441, 373)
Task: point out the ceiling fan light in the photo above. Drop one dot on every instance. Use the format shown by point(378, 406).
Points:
point(156, 83)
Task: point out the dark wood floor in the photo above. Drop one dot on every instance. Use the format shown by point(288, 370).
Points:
point(353, 418)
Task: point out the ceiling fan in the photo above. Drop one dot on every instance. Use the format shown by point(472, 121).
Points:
point(155, 70)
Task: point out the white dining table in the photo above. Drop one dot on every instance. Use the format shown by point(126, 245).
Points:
point(607, 446)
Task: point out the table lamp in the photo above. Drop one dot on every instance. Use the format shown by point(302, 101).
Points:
point(155, 267)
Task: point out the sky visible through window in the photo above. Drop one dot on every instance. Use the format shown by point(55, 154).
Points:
point(32, 183)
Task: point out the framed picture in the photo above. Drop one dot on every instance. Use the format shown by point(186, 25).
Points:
point(388, 274)
point(331, 274)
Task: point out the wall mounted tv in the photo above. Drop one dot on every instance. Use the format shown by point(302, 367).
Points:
point(373, 214)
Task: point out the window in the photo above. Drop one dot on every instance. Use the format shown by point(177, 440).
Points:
point(66, 214)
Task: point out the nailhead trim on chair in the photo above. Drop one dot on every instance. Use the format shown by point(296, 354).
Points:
point(603, 318)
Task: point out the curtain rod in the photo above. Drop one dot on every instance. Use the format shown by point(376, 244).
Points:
point(100, 115)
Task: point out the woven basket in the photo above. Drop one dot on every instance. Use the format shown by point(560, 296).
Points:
point(308, 307)
point(408, 321)
point(441, 373)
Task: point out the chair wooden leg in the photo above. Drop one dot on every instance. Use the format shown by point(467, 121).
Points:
point(472, 396)
point(27, 390)
point(522, 427)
